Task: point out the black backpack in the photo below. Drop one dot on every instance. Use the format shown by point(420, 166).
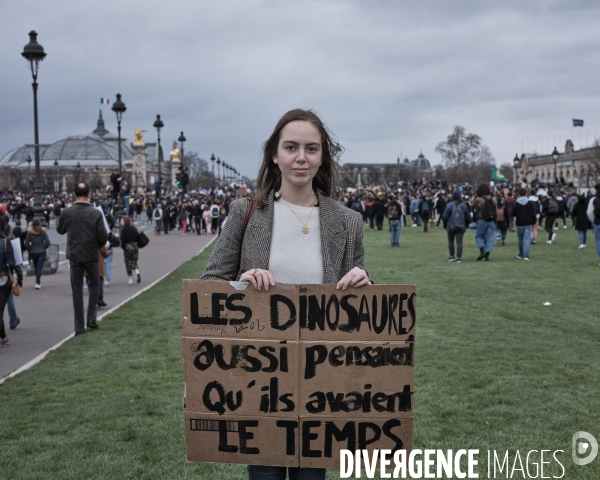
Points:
point(552, 207)
point(488, 212)
point(597, 207)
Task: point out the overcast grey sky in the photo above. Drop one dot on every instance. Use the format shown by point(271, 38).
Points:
point(386, 76)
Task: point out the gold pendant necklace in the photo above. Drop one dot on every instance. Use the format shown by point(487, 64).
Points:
point(305, 228)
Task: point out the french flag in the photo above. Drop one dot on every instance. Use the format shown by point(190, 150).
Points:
point(104, 101)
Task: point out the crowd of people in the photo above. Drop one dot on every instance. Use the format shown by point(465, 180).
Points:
point(172, 212)
point(489, 210)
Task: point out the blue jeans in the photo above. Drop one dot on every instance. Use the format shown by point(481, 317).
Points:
point(263, 472)
point(485, 235)
point(13, 318)
point(126, 202)
point(38, 259)
point(396, 226)
point(597, 238)
point(524, 236)
point(582, 236)
point(108, 261)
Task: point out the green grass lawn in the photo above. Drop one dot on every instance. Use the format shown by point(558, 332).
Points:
point(495, 368)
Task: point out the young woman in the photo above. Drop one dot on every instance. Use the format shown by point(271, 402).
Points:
point(129, 243)
point(297, 233)
point(37, 242)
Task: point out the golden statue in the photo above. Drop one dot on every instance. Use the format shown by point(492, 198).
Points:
point(175, 155)
point(138, 137)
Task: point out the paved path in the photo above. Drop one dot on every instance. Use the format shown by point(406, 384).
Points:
point(47, 314)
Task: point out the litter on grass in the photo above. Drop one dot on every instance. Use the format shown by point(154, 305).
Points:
point(547, 304)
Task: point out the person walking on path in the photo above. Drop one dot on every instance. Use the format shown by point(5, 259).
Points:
point(304, 236)
point(525, 216)
point(129, 243)
point(157, 215)
point(7, 261)
point(207, 216)
point(36, 243)
point(86, 235)
point(486, 208)
point(456, 217)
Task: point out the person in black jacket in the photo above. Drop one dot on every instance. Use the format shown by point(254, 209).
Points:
point(129, 243)
point(524, 214)
point(86, 235)
point(581, 221)
point(379, 210)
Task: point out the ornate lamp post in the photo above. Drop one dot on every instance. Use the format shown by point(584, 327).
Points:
point(516, 163)
point(555, 160)
point(57, 181)
point(181, 141)
point(212, 159)
point(29, 180)
point(158, 124)
point(219, 168)
point(119, 107)
point(77, 172)
point(34, 54)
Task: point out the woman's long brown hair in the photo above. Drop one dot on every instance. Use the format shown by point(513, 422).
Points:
point(327, 177)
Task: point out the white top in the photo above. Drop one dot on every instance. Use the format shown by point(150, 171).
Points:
point(295, 257)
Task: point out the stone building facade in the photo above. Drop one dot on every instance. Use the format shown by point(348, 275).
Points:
point(579, 169)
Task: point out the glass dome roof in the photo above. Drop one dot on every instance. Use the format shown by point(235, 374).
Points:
point(100, 146)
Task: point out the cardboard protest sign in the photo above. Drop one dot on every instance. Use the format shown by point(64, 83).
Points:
point(291, 376)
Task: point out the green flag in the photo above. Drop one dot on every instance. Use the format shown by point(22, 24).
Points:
point(497, 176)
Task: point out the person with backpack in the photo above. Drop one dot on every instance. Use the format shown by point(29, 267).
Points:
point(157, 215)
point(425, 207)
point(456, 217)
point(501, 222)
point(550, 208)
point(485, 205)
point(214, 218)
point(394, 213)
point(593, 213)
point(525, 213)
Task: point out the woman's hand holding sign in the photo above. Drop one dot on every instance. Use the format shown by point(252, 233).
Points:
point(259, 278)
point(356, 277)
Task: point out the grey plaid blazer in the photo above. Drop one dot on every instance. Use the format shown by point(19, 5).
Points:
point(341, 241)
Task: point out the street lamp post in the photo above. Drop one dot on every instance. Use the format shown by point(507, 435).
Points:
point(158, 124)
point(219, 168)
point(212, 159)
point(555, 160)
point(181, 140)
point(119, 107)
point(29, 180)
point(34, 54)
point(57, 181)
point(516, 162)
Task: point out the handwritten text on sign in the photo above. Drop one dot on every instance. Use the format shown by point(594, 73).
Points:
point(293, 375)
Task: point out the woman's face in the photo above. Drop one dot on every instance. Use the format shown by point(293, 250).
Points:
point(299, 154)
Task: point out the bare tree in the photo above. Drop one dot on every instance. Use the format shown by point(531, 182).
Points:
point(461, 148)
point(200, 175)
